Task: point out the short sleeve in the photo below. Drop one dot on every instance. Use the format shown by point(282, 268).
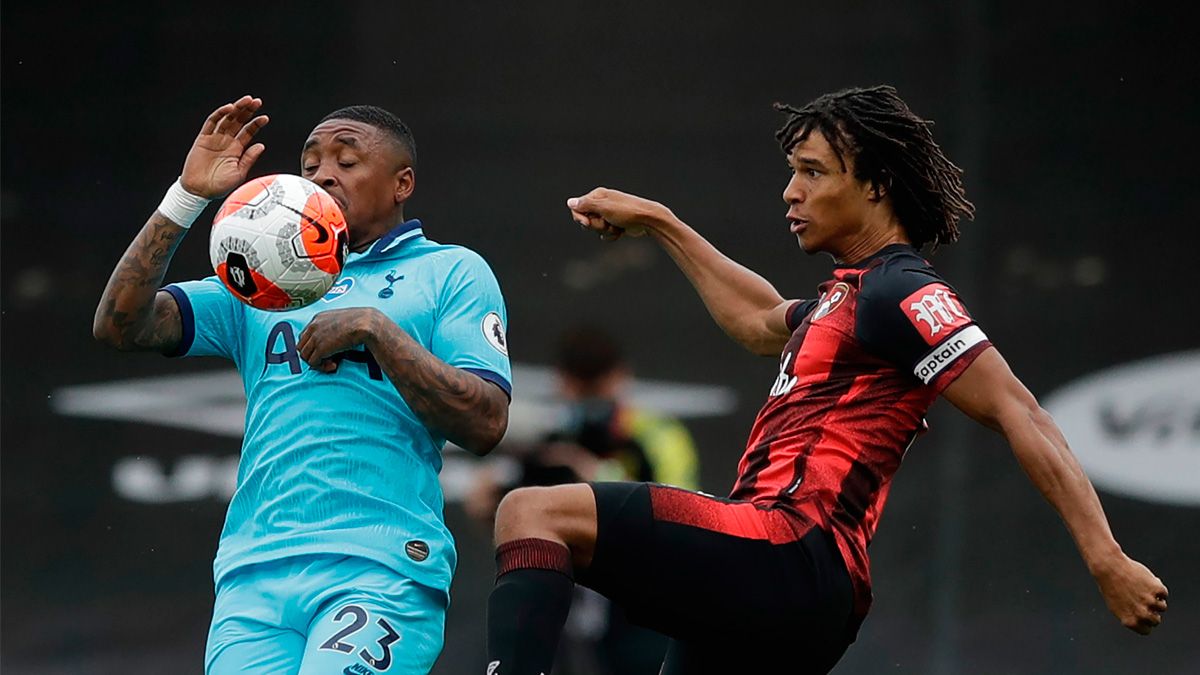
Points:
point(797, 312)
point(470, 329)
point(909, 316)
point(211, 317)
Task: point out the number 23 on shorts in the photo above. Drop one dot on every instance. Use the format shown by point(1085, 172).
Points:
point(355, 619)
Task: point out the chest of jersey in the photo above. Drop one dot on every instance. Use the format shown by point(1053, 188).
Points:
point(823, 348)
point(397, 288)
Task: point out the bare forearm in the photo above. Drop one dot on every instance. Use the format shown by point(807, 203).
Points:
point(992, 395)
point(1045, 457)
point(738, 299)
point(466, 409)
point(127, 316)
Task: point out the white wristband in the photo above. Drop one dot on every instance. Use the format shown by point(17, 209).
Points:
point(180, 206)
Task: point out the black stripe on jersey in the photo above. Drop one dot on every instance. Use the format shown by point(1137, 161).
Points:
point(862, 476)
point(861, 479)
point(758, 459)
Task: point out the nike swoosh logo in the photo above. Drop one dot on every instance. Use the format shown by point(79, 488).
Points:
point(322, 231)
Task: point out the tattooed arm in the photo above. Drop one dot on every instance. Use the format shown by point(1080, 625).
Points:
point(468, 410)
point(131, 315)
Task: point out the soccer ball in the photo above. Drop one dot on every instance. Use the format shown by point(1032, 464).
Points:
point(278, 242)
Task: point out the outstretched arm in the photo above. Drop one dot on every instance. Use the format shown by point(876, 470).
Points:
point(990, 393)
point(745, 305)
point(468, 410)
point(132, 315)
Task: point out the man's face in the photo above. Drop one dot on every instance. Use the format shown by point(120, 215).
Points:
point(827, 205)
point(361, 168)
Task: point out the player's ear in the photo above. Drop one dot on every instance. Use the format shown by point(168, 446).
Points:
point(879, 188)
point(406, 182)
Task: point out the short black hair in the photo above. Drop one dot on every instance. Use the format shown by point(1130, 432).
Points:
point(892, 148)
point(381, 119)
point(588, 353)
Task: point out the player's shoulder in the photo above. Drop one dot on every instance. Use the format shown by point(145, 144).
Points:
point(450, 255)
point(905, 307)
point(452, 268)
point(898, 272)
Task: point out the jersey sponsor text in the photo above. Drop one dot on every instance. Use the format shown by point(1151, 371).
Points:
point(935, 311)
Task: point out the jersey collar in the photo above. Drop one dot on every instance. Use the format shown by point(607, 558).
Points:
point(396, 240)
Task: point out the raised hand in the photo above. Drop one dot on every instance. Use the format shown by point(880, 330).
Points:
point(221, 156)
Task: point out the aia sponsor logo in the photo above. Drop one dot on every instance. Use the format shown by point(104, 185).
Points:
point(831, 300)
point(935, 312)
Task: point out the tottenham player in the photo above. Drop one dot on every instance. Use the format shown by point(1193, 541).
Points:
point(334, 556)
point(778, 572)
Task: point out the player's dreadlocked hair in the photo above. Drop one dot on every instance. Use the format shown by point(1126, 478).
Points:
point(892, 148)
point(382, 120)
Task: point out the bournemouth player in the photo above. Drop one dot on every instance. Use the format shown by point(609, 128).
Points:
point(334, 556)
point(778, 573)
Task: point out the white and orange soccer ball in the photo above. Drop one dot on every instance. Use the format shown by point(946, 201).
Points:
point(279, 242)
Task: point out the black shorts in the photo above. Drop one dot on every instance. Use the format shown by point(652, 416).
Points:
point(738, 587)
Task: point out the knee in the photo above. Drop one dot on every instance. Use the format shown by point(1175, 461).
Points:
point(563, 513)
point(523, 505)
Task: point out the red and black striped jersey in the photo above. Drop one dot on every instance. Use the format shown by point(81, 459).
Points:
point(865, 361)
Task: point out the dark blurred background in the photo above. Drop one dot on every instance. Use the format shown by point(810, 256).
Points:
point(1075, 123)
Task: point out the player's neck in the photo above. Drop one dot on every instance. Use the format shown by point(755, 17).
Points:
point(871, 241)
point(362, 240)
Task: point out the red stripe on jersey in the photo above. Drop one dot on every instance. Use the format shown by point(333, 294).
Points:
point(758, 453)
point(739, 519)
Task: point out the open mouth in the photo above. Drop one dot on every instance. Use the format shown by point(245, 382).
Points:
point(797, 225)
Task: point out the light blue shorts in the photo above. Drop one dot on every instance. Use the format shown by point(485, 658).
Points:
point(326, 614)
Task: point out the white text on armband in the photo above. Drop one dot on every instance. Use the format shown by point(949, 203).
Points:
point(947, 352)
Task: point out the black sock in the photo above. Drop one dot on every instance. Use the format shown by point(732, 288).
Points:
point(528, 606)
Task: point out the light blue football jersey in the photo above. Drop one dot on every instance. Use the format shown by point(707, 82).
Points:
point(338, 463)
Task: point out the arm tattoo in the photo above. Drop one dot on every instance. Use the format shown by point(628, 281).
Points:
point(132, 316)
point(470, 411)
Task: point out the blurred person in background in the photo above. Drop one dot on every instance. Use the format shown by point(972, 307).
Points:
point(776, 577)
point(601, 438)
